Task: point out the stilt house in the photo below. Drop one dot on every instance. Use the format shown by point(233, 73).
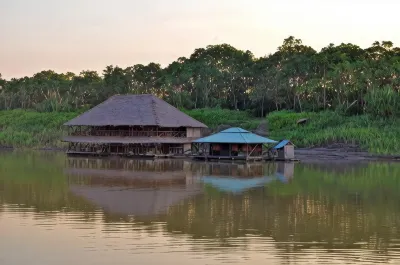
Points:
point(132, 125)
point(233, 144)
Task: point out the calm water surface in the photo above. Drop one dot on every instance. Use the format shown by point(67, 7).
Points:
point(59, 210)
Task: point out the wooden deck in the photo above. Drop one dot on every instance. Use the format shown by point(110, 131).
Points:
point(78, 153)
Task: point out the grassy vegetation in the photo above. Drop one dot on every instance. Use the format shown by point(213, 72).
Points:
point(20, 128)
point(376, 135)
point(373, 134)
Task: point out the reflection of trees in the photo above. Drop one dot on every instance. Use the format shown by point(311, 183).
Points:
point(294, 218)
point(339, 210)
point(36, 180)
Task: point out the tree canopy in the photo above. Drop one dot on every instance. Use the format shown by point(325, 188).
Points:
point(296, 77)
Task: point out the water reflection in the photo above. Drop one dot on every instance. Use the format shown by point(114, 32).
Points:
point(208, 212)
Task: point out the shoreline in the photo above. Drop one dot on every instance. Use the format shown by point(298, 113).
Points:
point(305, 155)
point(337, 154)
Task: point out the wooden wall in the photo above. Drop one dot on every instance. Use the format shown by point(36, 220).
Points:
point(193, 132)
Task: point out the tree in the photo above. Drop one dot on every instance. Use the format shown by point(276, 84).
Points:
point(295, 77)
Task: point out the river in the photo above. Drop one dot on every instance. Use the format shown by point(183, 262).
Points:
point(60, 210)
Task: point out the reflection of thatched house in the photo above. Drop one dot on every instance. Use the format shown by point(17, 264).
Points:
point(132, 125)
point(145, 188)
point(136, 202)
point(135, 173)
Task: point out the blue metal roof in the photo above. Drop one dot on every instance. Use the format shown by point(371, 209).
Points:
point(235, 136)
point(234, 130)
point(281, 144)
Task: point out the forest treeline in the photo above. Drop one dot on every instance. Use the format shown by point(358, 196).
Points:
point(296, 77)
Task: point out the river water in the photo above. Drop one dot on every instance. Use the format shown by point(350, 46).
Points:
point(59, 210)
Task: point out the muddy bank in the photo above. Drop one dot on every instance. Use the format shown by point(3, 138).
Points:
point(339, 155)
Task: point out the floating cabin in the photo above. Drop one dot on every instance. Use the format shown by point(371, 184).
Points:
point(132, 125)
point(232, 144)
point(285, 150)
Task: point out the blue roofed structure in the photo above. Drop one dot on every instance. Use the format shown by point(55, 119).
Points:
point(232, 143)
point(285, 150)
point(235, 135)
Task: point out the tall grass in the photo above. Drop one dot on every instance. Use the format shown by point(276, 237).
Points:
point(383, 102)
point(21, 128)
point(373, 134)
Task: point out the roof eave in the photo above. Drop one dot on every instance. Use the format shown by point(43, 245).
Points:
point(116, 124)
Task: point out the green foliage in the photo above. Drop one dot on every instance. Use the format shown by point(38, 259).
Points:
point(215, 117)
point(295, 77)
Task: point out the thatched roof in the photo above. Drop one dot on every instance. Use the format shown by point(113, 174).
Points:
point(130, 110)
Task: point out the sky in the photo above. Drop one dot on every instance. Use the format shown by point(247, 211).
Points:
point(76, 35)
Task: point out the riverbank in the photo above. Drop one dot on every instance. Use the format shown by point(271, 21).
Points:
point(351, 134)
point(328, 155)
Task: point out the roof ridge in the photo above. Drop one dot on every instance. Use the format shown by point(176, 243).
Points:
point(243, 137)
point(153, 108)
point(157, 99)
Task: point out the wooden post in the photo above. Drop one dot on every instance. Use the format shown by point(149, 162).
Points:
point(253, 149)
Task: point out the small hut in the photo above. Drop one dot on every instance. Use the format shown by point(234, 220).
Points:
point(233, 144)
point(285, 150)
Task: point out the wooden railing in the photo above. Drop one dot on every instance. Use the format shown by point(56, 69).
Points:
point(176, 150)
point(126, 133)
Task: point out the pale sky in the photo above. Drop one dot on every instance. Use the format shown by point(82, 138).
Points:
point(75, 35)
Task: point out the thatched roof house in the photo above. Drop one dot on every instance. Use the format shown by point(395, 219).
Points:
point(132, 125)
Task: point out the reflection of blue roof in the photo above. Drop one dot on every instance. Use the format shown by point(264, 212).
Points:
point(235, 135)
point(236, 185)
point(281, 177)
point(281, 144)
